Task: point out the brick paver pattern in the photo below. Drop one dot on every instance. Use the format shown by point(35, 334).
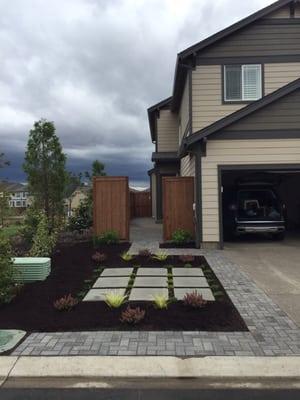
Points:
point(271, 331)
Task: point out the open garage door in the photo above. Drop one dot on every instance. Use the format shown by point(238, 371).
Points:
point(259, 202)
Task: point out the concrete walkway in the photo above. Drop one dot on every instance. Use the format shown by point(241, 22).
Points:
point(209, 372)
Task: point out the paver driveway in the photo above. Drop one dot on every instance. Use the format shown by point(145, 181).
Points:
point(274, 267)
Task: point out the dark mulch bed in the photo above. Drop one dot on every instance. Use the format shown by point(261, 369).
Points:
point(170, 245)
point(32, 309)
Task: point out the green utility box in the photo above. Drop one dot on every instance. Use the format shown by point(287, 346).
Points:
point(31, 269)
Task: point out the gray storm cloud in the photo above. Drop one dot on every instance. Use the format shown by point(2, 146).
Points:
point(94, 67)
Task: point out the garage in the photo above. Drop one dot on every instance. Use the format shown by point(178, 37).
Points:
point(259, 202)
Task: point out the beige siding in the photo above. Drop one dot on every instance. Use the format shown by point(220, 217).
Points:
point(278, 75)
point(221, 152)
point(184, 110)
point(187, 166)
point(283, 12)
point(207, 105)
point(167, 131)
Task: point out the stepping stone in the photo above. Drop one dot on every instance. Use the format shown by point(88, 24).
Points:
point(190, 281)
point(206, 293)
point(111, 282)
point(187, 272)
point(117, 272)
point(151, 281)
point(152, 272)
point(99, 294)
point(146, 294)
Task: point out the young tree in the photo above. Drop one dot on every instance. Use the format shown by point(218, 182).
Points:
point(98, 169)
point(45, 168)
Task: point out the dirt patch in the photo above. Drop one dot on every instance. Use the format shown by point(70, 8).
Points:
point(32, 310)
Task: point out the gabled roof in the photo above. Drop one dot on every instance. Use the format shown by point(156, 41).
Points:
point(185, 56)
point(242, 113)
point(12, 187)
point(152, 114)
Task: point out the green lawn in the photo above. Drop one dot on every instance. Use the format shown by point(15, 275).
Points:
point(10, 231)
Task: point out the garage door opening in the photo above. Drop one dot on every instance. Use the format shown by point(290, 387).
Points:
point(259, 203)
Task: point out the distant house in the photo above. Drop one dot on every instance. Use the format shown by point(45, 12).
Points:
point(18, 194)
point(73, 201)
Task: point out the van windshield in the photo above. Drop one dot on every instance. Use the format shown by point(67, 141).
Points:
point(259, 205)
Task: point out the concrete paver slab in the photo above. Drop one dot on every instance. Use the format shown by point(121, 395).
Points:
point(190, 281)
point(111, 282)
point(147, 294)
point(117, 272)
point(152, 271)
point(99, 294)
point(187, 271)
point(151, 281)
point(206, 293)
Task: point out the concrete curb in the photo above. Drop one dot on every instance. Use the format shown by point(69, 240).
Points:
point(262, 371)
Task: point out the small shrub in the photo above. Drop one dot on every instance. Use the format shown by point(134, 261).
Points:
point(7, 285)
point(180, 236)
point(161, 301)
point(187, 265)
point(114, 299)
point(108, 237)
point(82, 218)
point(43, 241)
point(187, 258)
point(65, 303)
point(127, 256)
point(145, 253)
point(31, 221)
point(99, 257)
point(160, 256)
point(194, 300)
point(132, 316)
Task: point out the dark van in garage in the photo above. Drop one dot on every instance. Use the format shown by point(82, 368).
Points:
point(253, 208)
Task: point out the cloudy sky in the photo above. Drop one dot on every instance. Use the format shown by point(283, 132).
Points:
point(94, 67)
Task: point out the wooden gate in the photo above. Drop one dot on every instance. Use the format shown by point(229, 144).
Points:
point(140, 204)
point(178, 199)
point(111, 205)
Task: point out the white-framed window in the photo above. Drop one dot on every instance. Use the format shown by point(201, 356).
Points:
point(242, 82)
point(18, 195)
point(18, 203)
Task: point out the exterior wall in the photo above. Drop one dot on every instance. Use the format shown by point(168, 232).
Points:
point(282, 114)
point(187, 166)
point(278, 75)
point(208, 107)
point(153, 194)
point(239, 152)
point(207, 104)
point(183, 114)
point(283, 12)
point(167, 131)
point(258, 39)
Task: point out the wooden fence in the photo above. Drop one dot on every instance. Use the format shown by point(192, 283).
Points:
point(140, 204)
point(178, 199)
point(111, 205)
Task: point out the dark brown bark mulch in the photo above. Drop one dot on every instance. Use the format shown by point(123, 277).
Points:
point(32, 309)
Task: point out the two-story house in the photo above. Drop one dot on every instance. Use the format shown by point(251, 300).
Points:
point(235, 107)
point(18, 194)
